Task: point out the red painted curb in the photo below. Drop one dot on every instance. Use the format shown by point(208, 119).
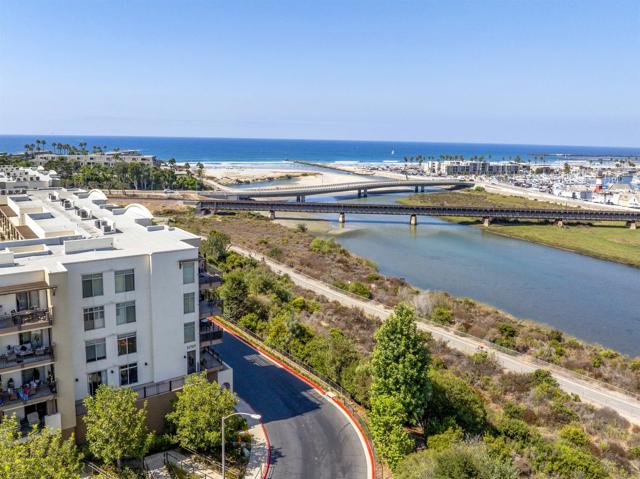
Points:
point(313, 385)
point(266, 437)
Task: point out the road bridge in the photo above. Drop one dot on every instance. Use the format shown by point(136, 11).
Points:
point(362, 188)
point(487, 214)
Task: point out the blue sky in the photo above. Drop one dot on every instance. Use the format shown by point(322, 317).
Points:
point(548, 72)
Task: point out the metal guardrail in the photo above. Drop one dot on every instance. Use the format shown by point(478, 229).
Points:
point(488, 344)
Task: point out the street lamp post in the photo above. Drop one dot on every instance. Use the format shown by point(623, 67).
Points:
point(252, 416)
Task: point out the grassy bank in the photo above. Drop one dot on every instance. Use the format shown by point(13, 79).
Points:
point(608, 241)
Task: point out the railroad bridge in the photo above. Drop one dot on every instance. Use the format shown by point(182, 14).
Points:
point(487, 214)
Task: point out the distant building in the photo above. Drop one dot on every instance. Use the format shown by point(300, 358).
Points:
point(454, 168)
point(18, 179)
point(109, 158)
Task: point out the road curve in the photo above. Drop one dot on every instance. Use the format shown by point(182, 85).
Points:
point(310, 437)
point(590, 391)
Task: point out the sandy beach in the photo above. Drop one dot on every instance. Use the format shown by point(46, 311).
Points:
point(230, 176)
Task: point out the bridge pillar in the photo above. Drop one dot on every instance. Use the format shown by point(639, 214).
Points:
point(416, 189)
point(422, 189)
point(632, 225)
point(365, 192)
point(413, 220)
point(341, 218)
point(359, 193)
point(272, 215)
point(560, 223)
point(486, 221)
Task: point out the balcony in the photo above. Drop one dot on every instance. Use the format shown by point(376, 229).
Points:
point(210, 333)
point(21, 397)
point(25, 359)
point(210, 361)
point(19, 321)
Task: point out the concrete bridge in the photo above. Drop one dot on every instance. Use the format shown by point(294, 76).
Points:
point(487, 214)
point(362, 188)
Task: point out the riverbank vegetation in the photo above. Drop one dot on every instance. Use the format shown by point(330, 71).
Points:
point(608, 241)
point(326, 260)
point(433, 412)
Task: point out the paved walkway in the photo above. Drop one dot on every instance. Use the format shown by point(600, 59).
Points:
point(596, 393)
point(259, 458)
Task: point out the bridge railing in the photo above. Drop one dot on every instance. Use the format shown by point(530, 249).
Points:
point(489, 345)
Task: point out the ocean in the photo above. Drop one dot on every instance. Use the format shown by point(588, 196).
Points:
point(235, 150)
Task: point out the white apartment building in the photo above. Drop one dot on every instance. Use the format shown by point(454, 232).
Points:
point(454, 168)
point(18, 179)
point(92, 293)
point(108, 158)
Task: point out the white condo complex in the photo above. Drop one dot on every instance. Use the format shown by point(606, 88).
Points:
point(92, 293)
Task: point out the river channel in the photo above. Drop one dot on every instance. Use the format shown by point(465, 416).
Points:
point(594, 300)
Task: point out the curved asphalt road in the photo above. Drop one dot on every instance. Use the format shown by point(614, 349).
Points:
point(310, 437)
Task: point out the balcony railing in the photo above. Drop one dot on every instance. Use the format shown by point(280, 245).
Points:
point(24, 359)
point(23, 397)
point(20, 320)
point(210, 333)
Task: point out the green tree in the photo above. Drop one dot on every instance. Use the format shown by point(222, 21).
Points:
point(387, 418)
point(400, 363)
point(454, 402)
point(215, 247)
point(198, 411)
point(42, 454)
point(116, 427)
point(235, 297)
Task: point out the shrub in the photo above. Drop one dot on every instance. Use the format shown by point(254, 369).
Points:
point(319, 245)
point(301, 228)
point(513, 410)
point(543, 377)
point(563, 460)
point(446, 439)
point(274, 252)
point(442, 315)
point(574, 434)
point(356, 287)
point(462, 461)
point(454, 400)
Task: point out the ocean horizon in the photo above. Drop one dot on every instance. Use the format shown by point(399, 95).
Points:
point(254, 150)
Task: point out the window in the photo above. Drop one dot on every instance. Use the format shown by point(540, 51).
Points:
point(128, 374)
point(189, 332)
point(93, 318)
point(95, 380)
point(27, 300)
point(95, 350)
point(126, 312)
point(189, 302)
point(127, 344)
point(92, 285)
point(125, 281)
point(188, 273)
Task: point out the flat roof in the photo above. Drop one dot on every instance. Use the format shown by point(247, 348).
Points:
point(109, 232)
